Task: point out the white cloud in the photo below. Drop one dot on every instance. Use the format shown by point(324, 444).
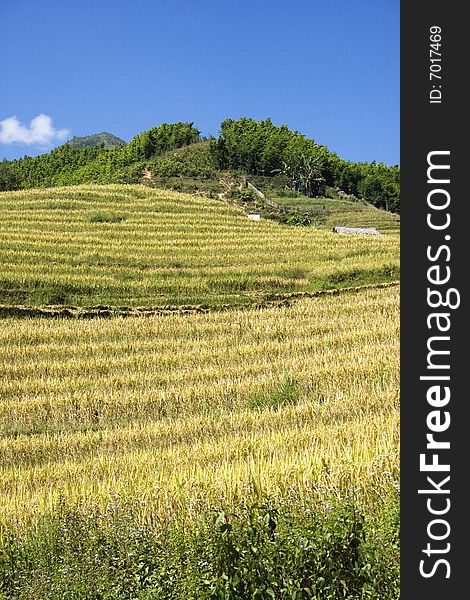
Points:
point(40, 131)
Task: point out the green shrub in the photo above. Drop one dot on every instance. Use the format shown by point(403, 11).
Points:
point(283, 549)
point(262, 553)
point(246, 195)
point(304, 220)
point(105, 218)
point(286, 392)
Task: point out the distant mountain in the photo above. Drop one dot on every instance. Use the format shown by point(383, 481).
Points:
point(108, 139)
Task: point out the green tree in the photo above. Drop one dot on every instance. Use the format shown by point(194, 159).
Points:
point(305, 173)
point(380, 186)
point(9, 179)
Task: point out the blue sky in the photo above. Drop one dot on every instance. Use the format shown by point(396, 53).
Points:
point(328, 68)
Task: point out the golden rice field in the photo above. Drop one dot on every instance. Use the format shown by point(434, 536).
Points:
point(187, 409)
point(134, 246)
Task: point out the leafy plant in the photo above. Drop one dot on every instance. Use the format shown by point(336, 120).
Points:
point(246, 195)
point(285, 392)
point(299, 219)
point(282, 549)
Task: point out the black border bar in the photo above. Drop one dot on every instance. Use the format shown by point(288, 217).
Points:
point(435, 259)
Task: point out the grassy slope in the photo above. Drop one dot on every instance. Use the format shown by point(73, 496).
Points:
point(337, 210)
point(163, 419)
point(196, 406)
point(131, 245)
point(345, 213)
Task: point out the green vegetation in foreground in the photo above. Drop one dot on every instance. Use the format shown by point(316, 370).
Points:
point(135, 246)
point(280, 549)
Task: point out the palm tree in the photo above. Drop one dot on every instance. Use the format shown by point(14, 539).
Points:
point(305, 173)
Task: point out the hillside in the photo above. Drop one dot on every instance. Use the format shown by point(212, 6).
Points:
point(241, 394)
point(107, 140)
point(244, 148)
point(194, 404)
point(135, 246)
point(334, 208)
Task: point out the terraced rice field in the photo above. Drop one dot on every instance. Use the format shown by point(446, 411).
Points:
point(133, 246)
point(187, 409)
point(236, 411)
